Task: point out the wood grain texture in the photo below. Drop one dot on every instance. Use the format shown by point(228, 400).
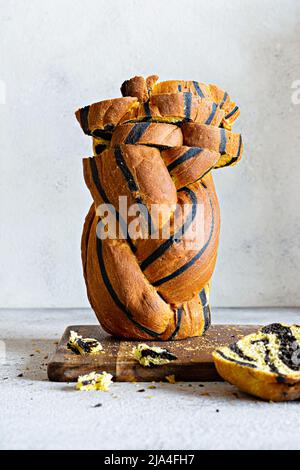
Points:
point(194, 355)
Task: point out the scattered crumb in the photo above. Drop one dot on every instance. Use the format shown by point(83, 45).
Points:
point(37, 350)
point(94, 381)
point(80, 345)
point(151, 387)
point(141, 390)
point(217, 411)
point(98, 405)
point(200, 385)
point(171, 379)
point(150, 356)
point(31, 355)
point(20, 375)
point(149, 396)
point(205, 394)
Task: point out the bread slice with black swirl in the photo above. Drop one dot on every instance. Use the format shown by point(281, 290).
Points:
point(265, 364)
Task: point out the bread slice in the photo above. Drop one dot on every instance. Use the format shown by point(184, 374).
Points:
point(160, 135)
point(139, 87)
point(99, 119)
point(265, 364)
point(210, 92)
point(178, 107)
point(227, 143)
point(144, 88)
point(188, 164)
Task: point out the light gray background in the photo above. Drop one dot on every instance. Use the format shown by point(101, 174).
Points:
point(61, 54)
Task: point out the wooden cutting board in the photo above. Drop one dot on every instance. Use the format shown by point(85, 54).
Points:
point(194, 356)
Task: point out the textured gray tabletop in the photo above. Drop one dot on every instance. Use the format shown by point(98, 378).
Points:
point(36, 414)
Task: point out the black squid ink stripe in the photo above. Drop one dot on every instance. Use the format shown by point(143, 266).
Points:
point(287, 343)
point(187, 105)
point(132, 186)
point(234, 159)
point(114, 295)
point(99, 148)
point(178, 323)
point(147, 110)
point(212, 114)
point(268, 362)
point(237, 350)
point(192, 261)
point(232, 112)
point(190, 153)
point(206, 310)
point(198, 89)
point(175, 238)
point(103, 195)
point(224, 99)
point(136, 132)
point(84, 119)
point(246, 364)
point(222, 148)
point(102, 134)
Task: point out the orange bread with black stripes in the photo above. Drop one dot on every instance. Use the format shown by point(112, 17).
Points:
point(265, 364)
point(152, 280)
point(99, 119)
point(139, 87)
point(160, 135)
point(175, 108)
point(228, 144)
point(211, 92)
point(189, 164)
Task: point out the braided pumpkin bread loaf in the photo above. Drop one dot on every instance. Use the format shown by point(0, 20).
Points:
point(154, 152)
point(265, 364)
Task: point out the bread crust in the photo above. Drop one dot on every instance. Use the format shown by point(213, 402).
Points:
point(127, 312)
point(160, 135)
point(228, 144)
point(210, 92)
point(189, 164)
point(177, 107)
point(157, 146)
point(99, 119)
point(257, 382)
point(139, 87)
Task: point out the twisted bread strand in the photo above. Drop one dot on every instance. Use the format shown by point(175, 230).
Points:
point(156, 147)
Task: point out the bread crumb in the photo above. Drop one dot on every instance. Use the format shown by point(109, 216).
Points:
point(171, 379)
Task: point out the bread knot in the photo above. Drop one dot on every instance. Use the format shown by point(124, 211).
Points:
point(150, 238)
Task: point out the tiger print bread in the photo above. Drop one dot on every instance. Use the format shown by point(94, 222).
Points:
point(155, 147)
point(265, 364)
